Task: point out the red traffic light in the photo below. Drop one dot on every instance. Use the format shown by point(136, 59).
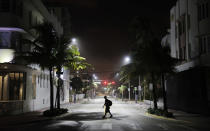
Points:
point(105, 82)
point(113, 82)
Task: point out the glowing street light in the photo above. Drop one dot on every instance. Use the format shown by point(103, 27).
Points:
point(74, 42)
point(74, 39)
point(127, 59)
point(95, 77)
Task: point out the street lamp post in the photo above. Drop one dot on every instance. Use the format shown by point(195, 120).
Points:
point(129, 87)
point(73, 42)
point(127, 61)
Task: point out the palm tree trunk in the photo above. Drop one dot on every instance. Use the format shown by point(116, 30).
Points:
point(165, 107)
point(58, 91)
point(122, 95)
point(59, 86)
point(51, 90)
point(154, 93)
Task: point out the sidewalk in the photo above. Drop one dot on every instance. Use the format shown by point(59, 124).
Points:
point(193, 119)
point(33, 117)
point(190, 118)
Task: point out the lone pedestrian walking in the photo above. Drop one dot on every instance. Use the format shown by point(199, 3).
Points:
point(107, 105)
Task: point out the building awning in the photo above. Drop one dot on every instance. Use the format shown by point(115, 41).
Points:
point(13, 29)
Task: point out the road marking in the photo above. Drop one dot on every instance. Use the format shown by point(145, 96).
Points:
point(163, 126)
point(107, 126)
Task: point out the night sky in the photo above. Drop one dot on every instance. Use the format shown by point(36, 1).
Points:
point(101, 26)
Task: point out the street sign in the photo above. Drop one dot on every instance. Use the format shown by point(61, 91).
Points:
point(135, 88)
point(150, 86)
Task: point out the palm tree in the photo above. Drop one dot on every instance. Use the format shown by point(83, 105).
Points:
point(126, 72)
point(122, 88)
point(156, 60)
point(61, 60)
point(146, 57)
point(149, 56)
point(167, 66)
point(43, 51)
point(76, 62)
point(69, 57)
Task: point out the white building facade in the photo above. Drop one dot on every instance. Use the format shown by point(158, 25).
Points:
point(24, 88)
point(190, 42)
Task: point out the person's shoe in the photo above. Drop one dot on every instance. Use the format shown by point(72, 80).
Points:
point(103, 117)
point(111, 116)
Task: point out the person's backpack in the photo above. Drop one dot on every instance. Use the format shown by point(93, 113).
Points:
point(109, 103)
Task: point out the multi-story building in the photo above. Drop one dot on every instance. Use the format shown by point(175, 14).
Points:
point(24, 88)
point(62, 12)
point(189, 40)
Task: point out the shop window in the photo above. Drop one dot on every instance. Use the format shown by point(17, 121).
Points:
point(16, 86)
point(13, 86)
point(34, 86)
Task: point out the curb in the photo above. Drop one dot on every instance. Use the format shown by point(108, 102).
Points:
point(60, 116)
point(165, 118)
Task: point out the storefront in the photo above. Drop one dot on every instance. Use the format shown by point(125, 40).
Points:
point(12, 86)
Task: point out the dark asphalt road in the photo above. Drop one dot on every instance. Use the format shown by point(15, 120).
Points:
point(88, 117)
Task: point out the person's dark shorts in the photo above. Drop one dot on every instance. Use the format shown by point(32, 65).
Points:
point(107, 109)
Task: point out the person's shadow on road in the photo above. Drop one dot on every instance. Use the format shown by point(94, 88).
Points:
point(93, 116)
